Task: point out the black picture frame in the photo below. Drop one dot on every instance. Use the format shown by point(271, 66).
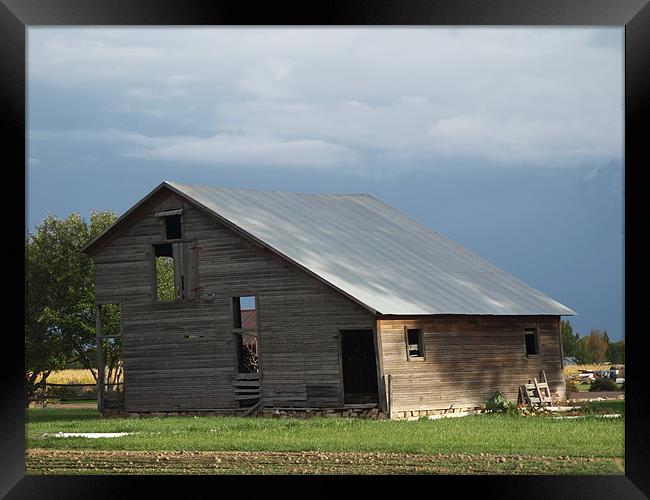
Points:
point(634, 15)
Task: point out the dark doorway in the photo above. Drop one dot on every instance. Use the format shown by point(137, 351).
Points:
point(359, 367)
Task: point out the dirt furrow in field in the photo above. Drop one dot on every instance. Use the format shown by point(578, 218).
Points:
point(41, 461)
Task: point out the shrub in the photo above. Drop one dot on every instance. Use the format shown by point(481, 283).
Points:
point(603, 384)
point(588, 409)
point(71, 392)
point(498, 404)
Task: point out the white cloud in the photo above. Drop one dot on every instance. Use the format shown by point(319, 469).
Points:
point(153, 94)
point(178, 80)
point(401, 124)
point(217, 150)
point(271, 79)
point(252, 150)
point(414, 97)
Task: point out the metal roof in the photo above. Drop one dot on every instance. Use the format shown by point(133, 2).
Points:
point(373, 253)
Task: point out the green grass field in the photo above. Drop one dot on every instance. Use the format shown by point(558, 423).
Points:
point(473, 444)
point(606, 407)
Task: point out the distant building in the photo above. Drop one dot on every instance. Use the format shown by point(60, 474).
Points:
point(295, 301)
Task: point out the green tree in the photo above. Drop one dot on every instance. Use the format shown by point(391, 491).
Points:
point(569, 340)
point(60, 298)
point(580, 350)
point(616, 352)
point(112, 347)
point(596, 346)
point(165, 278)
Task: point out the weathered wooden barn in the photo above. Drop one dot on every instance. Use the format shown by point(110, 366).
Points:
point(235, 300)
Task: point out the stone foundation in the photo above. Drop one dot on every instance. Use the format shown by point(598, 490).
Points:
point(439, 412)
point(368, 413)
point(190, 413)
point(371, 413)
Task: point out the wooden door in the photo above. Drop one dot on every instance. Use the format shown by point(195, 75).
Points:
point(359, 367)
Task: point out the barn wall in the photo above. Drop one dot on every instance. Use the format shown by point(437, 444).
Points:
point(467, 359)
point(299, 319)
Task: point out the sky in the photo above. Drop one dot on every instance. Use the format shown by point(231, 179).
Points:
point(509, 141)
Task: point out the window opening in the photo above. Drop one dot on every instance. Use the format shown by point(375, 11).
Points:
point(414, 343)
point(247, 354)
point(244, 312)
point(244, 318)
point(110, 376)
point(532, 344)
point(165, 272)
point(173, 227)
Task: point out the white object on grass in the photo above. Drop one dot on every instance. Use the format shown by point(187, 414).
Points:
point(89, 434)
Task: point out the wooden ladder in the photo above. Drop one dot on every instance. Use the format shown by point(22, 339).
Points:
point(537, 393)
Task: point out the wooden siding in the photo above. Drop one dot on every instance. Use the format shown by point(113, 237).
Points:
point(299, 319)
point(467, 359)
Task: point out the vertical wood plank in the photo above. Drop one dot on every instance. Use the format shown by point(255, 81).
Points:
point(100, 358)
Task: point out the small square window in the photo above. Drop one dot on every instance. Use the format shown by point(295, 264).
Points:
point(414, 344)
point(532, 342)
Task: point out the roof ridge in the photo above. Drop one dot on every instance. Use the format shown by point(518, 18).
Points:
point(264, 190)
